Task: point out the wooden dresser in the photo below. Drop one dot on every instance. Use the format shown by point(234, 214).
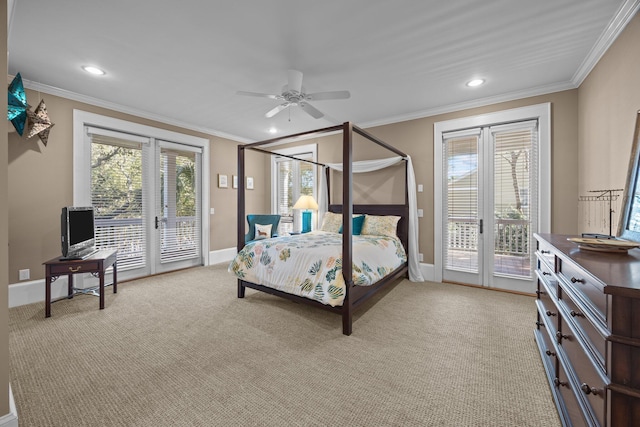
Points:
point(588, 331)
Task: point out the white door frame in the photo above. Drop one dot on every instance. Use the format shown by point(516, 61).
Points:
point(540, 112)
point(82, 158)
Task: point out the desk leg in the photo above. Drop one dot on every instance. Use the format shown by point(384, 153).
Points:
point(70, 287)
point(101, 289)
point(115, 277)
point(47, 296)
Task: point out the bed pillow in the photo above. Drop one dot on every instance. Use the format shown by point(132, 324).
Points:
point(385, 225)
point(331, 222)
point(263, 231)
point(356, 225)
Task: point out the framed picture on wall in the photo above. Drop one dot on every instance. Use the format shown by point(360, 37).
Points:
point(249, 183)
point(222, 181)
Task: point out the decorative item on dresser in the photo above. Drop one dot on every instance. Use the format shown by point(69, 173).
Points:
point(588, 331)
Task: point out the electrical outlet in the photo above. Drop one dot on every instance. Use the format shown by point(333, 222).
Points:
point(24, 274)
point(420, 213)
point(212, 211)
point(420, 188)
point(421, 257)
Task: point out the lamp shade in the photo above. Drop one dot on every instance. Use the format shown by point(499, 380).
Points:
point(306, 202)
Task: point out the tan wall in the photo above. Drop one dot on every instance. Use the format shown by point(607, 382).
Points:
point(609, 100)
point(4, 235)
point(41, 183)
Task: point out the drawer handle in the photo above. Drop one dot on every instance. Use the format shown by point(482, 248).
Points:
point(551, 313)
point(558, 383)
point(550, 353)
point(545, 252)
point(574, 280)
point(546, 273)
point(75, 270)
point(589, 390)
point(541, 293)
point(576, 314)
point(561, 336)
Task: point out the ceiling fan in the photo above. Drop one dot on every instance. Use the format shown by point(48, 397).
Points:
point(293, 94)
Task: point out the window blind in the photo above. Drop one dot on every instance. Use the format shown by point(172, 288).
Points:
point(462, 205)
point(179, 207)
point(116, 194)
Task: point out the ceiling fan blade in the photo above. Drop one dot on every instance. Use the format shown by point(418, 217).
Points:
point(294, 81)
point(311, 110)
point(260, 95)
point(321, 96)
point(276, 110)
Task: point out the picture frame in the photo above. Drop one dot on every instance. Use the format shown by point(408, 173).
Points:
point(249, 183)
point(222, 181)
point(235, 181)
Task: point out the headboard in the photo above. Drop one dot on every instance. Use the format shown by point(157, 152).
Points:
point(398, 210)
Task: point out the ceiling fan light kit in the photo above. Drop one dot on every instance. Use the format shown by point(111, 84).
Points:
point(294, 95)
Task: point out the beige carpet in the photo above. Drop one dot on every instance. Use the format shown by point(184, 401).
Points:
point(181, 350)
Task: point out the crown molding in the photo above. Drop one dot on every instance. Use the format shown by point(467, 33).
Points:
point(51, 90)
point(625, 14)
point(481, 102)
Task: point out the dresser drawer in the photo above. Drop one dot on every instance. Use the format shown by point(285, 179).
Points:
point(548, 349)
point(591, 335)
point(592, 384)
point(548, 309)
point(74, 268)
point(586, 288)
point(571, 406)
point(546, 275)
point(545, 251)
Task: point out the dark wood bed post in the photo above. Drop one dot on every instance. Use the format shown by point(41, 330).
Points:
point(347, 213)
point(327, 172)
point(241, 209)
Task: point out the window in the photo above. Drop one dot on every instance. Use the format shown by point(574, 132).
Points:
point(290, 180)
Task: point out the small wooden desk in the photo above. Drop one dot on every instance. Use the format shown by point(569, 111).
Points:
point(95, 264)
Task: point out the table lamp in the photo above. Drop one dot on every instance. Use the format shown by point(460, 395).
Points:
point(307, 203)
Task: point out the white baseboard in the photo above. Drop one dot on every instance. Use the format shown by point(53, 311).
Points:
point(222, 255)
point(10, 419)
point(428, 272)
point(29, 292)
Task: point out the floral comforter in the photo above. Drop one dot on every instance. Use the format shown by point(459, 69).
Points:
point(310, 265)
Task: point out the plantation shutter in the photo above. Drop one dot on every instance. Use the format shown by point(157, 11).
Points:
point(179, 208)
point(515, 157)
point(117, 169)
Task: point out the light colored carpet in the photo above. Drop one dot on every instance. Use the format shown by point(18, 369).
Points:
point(181, 350)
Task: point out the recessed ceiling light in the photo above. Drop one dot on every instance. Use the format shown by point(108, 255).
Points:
point(273, 130)
point(93, 70)
point(475, 82)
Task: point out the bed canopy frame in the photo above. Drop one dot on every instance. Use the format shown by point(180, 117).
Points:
point(354, 295)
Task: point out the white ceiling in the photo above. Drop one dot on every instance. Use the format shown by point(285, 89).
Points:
point(181, 62)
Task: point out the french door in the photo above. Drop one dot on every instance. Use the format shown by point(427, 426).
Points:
point(146, 194)
point(489, 190)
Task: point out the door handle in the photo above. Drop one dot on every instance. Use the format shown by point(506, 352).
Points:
point(480, 224)
point(156, 223)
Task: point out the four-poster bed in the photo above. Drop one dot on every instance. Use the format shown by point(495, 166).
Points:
point(352, 293)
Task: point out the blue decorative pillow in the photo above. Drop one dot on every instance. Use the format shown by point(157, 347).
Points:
point(356, 225)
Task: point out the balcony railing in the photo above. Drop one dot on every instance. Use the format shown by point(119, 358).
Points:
point(127, 235)
point(511, 235)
